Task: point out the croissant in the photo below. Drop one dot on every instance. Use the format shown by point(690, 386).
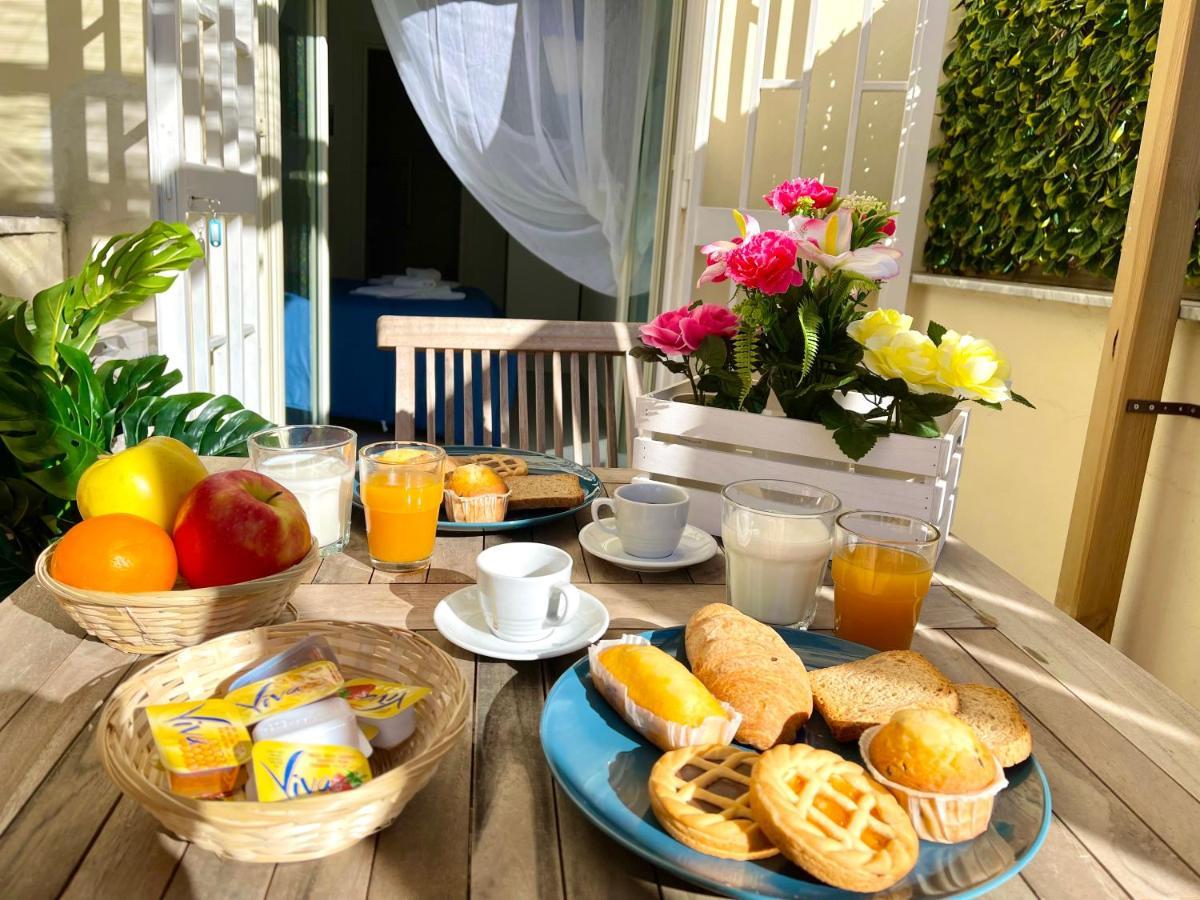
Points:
point(749, 666)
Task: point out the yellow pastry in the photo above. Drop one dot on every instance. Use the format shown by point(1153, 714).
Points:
point(474, 480)
point(474, 493)
point(831, 818)
point(700, 796)
point(658, 696)
point(932, 750)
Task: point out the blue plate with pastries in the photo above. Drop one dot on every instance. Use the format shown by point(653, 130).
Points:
point(604, 766)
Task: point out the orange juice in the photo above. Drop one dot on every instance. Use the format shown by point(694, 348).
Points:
point(401, 505)
point(877, 594)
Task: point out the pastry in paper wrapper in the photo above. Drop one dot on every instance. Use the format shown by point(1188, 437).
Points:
point(941, 818)
point(662, 732)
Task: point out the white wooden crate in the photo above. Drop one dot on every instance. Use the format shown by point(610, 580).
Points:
point(705, 449)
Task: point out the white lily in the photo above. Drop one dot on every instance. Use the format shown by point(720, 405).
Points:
point(826, 242)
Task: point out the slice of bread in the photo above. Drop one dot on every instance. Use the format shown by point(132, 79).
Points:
point(997, 720)
point(543, 492)
point(854, 696)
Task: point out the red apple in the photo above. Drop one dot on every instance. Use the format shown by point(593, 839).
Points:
point(237, 526)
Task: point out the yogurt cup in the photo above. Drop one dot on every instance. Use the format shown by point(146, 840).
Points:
point(330, 721)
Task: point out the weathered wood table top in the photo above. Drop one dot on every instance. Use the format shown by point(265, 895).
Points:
point(1121, 751)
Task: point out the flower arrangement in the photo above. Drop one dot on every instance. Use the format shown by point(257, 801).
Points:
point(799, 329)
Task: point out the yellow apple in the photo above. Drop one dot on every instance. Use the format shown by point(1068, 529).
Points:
point(148, 480)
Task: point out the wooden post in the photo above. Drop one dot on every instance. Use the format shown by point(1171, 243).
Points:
point(1141, 326)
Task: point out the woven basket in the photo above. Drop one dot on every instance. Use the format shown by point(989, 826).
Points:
point(156, 622)
point(290, 830)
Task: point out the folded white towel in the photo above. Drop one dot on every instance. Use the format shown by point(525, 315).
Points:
point(405, 281)
point(409, 293)
point(423, 273)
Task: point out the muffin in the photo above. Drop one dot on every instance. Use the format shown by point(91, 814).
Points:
point(937, 767)
point(474, 493)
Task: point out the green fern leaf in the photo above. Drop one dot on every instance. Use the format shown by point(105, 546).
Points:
point(810, 327)
point(745, 360)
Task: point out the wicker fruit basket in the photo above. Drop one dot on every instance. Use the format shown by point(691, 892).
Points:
point(161, 621)
point(291, 830)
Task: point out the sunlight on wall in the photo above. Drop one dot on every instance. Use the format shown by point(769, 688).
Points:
point(73, 105)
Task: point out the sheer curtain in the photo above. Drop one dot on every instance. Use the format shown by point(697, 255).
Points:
point(538, 106)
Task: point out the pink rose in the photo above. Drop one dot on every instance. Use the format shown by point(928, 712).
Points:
point(705, 320)
point(765, 262)
point(664, 333)
point(889, 227)
point(786, 198)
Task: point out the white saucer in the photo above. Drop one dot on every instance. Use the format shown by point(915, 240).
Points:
point(694, 548)
point(459, 618)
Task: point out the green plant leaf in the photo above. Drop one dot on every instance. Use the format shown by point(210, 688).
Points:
point(212, 426)
point(934, 404)
point(936, 332)
point(1017, 398)
point(712, 351)
point(810, 326)
point(855, 440)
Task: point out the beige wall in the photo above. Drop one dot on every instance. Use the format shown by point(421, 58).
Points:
point(72, 100)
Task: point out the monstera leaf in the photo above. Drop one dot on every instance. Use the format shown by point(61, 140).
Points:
point(212, 426)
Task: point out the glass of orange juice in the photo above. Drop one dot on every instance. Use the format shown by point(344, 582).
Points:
point(401, 487)
point(882, 567)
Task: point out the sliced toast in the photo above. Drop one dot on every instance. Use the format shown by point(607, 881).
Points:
point(543, 492)
point(854, 696)
point(997, 720)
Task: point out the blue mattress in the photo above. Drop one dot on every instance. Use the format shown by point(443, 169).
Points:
point(362, 377)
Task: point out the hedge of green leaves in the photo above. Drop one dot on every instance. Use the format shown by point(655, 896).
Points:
point(1043, 105)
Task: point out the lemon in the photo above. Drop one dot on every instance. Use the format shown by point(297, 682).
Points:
point(148, 480)
point(401, 455)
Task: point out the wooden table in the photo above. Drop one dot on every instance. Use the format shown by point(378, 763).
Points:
point(1121, 751)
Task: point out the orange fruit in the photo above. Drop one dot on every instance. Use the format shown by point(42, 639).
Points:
point(116, 552)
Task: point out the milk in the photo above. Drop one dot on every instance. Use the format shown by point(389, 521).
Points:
point(775, 564)
point(322, 483)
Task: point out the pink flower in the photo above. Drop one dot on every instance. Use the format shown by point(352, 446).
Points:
point(765, 262)
point(889, 227)
point(789, 198)
point(716, 254)
point(705, 320)
point(665, 334)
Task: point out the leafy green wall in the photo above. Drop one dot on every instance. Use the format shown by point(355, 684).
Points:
point(1042, 111)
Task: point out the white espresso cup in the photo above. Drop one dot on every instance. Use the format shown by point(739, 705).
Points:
point(648, 517)
point(525, 590)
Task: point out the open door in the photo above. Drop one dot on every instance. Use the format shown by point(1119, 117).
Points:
point(777, 89)
point(217, 324)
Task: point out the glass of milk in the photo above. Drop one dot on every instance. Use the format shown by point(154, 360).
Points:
point(778, 536)
point(316, 463)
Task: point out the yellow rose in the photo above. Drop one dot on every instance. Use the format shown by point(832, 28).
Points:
point(878, 327)
point(910, 355)
point(973, 368)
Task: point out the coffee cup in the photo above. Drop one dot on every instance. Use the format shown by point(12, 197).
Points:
point(525, 590)
point(648, 517)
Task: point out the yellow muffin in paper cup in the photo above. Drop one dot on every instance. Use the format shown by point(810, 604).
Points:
point(935, 758)
point(658, 696)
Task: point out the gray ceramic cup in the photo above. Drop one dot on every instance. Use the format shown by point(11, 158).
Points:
point(648, 517)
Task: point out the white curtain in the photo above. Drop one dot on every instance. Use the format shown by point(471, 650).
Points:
point(538, 107)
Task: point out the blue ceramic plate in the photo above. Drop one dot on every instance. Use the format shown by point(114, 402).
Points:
point(603, 765)
point(539, 464)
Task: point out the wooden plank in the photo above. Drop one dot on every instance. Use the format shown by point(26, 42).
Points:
point(539, 393)
point(431, 396)
point(505, 425)
point(424, 853)
point(522, 401)
point(593, 408)
point(1095, 837)
point(406, 393)
point(468, 408)
point(594, 866)
point(563, 534)
point(344, 875)
point(485, 388)
point(1141, 327)
point(35, 637)
point(506, 334)
point(353, 564)
point(556, 400)
point(47, 723)
point(1162, 724)
point(203, 874)
point(711, 571)
point(611, 404)
point(454, 559)
point(514, 840)
point(449, 430)
point(634, 605)
point(132, 851)
point(1167, 808)
point(45, 841)
point(633, 389)
point(576, 412)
